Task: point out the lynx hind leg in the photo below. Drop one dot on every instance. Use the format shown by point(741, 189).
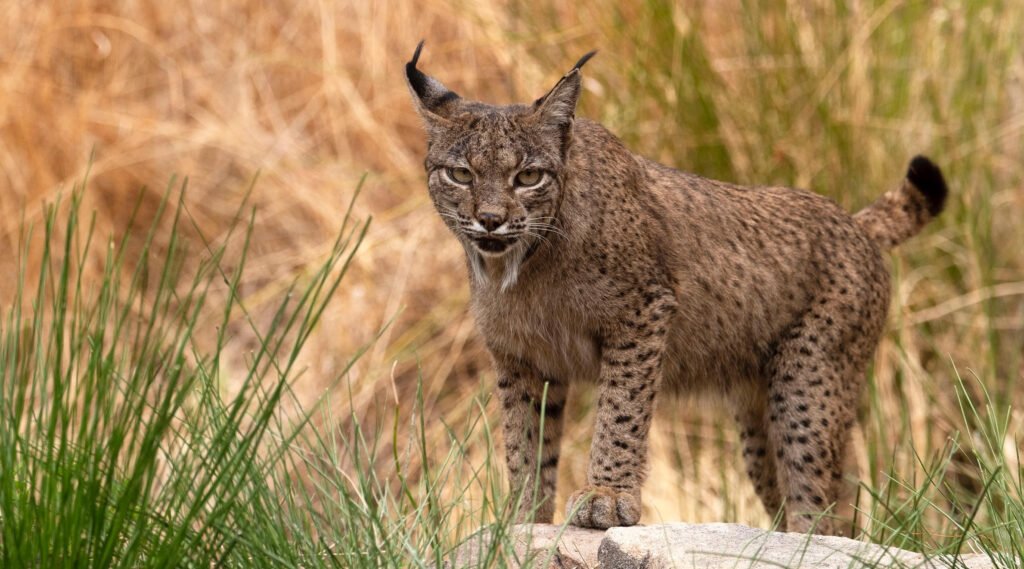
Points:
point(845, 480)
point(758, 454)
point(813, 393)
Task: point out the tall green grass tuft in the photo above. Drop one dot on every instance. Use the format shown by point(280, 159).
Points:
point(928, 511)
point(122, 444)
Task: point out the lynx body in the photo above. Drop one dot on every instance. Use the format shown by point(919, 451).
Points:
point(589, 263)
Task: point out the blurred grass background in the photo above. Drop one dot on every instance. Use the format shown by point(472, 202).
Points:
point(828, 95)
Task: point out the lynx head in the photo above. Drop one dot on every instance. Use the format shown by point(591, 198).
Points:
point(496, 173)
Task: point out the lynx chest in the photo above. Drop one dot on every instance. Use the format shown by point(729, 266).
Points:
point(551, 330)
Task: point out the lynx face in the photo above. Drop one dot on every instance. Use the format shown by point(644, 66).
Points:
point(494, 176)
point(495, 172)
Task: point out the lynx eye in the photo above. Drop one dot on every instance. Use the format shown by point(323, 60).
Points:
point(528, 178)
point(460, 175)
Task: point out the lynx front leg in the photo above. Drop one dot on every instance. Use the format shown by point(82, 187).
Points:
point(631, 371)
point(521, 391)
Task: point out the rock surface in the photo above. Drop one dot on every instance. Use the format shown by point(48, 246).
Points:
point(681, 545)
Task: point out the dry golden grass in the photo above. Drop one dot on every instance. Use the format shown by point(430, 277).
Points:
point(311, 96)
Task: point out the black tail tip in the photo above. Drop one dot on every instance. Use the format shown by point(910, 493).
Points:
point(927, 178)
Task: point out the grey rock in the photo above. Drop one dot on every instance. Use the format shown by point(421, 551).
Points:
point(679, 545)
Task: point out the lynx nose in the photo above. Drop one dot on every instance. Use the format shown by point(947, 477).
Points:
point(489, 220)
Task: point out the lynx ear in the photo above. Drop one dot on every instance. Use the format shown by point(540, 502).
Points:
point(558, 107)
point(433, 100)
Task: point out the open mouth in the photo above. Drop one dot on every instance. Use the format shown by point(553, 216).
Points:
point(492, 244)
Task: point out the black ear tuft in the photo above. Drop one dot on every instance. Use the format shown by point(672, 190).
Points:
point(583, 60)
point(416, 54)
point(432, 97)
point(417, 79)
point(928, 179)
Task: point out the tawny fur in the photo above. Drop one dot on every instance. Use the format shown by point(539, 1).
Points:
point(647, 281)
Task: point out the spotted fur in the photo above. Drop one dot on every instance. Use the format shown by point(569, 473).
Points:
point(647, 281)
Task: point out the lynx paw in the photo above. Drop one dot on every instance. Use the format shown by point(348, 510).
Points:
point(602, 507)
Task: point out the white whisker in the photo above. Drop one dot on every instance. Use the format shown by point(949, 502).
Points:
point(547, 227)
point(537, 235)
